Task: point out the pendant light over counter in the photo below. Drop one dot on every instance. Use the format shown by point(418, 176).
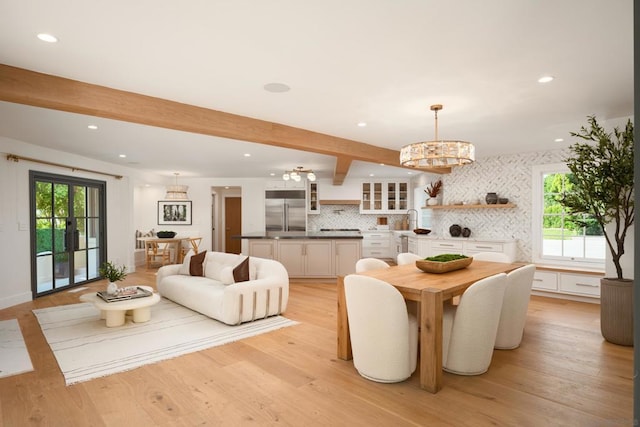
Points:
point(437, 153)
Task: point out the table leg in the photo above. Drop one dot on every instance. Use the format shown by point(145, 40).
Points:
point(431, 340)
point(344, 340)
point(142, 314)
point(115, 318)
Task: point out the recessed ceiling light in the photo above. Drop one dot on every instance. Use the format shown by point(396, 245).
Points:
point(558, 140)
point(272, 174)
point(47, 38)
point(409, 173)
point(371, 174)
point(92, 127)
point(362, 124)
point(122, 156)
point(381, 164)
point(276, 87)
point(545, 79)
point(247, 155)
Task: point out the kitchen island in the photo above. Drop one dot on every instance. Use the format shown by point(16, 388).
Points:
point(310, 254)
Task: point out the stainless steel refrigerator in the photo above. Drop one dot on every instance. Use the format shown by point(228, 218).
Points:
point(286, 210)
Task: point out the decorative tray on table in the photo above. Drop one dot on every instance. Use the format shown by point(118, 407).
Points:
point(123, 294)
point(443, 263)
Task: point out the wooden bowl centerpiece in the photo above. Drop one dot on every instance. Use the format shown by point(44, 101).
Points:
point(443, 263)
point(422, 231)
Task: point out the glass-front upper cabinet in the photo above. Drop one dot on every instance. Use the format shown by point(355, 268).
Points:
point(385, 197)
point(314, 202)
point(371, 197)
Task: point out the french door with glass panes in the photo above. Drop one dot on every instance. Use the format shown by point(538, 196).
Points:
point(67, 231)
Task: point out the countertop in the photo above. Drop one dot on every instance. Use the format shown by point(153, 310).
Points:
point(462, 239)
point(301, 235)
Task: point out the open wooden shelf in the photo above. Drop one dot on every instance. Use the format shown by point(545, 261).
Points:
point(496, 206)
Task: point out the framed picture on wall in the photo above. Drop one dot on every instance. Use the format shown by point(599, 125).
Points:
point(174, 212)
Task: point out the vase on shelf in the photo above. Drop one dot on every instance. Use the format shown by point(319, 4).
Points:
point(491, 198)
point(455, 230)
point(432, 201)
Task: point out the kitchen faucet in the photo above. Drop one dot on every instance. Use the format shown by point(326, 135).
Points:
point(413, 223)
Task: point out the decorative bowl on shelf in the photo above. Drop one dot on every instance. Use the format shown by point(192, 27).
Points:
point(503, 201)
point(443, 266)
point(421, 230)
point(166, 234)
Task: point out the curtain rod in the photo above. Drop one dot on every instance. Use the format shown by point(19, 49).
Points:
point(16, 159)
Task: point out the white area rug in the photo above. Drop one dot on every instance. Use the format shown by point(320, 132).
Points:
point(86, 349)
point(14, 357)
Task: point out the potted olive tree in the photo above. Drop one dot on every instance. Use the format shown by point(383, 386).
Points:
point(602, 169)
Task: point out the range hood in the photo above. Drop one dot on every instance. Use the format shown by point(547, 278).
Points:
point(339, 202)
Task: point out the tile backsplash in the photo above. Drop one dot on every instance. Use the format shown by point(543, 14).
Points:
point(348, 216)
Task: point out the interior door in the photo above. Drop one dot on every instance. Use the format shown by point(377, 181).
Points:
point(233, 224)
point(67, 229)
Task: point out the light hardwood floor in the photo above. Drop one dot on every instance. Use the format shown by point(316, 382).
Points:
point(564, 373)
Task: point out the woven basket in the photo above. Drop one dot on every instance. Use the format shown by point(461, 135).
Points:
point(443, 267)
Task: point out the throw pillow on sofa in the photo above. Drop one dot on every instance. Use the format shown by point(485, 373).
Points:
point(242, 272)
point(196, 264)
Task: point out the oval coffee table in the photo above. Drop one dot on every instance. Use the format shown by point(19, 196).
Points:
point(114, 312)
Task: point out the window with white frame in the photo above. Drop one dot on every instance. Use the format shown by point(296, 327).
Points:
point(560, 238)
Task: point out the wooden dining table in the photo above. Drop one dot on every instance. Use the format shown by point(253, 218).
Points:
point(430, 291)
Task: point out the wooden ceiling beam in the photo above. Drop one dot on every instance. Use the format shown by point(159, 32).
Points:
point(43, 90)
point(342, 168)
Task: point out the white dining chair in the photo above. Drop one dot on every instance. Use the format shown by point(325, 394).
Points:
point(492, 256)
point(469, 329)
point(514, 307)
point(407, 258)
point(368, 264)
point(384, 337)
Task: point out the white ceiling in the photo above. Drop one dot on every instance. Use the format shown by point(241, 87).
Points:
point(379, 61)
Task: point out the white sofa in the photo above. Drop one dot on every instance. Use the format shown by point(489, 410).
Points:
point(215, 295)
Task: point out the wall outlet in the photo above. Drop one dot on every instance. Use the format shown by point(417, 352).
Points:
point(23, 226)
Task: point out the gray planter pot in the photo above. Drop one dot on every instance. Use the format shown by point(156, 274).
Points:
point(616, 310)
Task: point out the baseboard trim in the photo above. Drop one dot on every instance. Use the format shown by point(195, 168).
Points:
point(12, 300)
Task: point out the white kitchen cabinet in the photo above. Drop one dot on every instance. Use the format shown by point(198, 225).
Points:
point(313, 201)
point(376, 244)
point(291, 255)
point(545, 281)
point(263, 248)
point(430, 246)
point(384, 197)
point(280, 184)
point(306, 258)
point(419, 246)
point(318, 258)
point(563, 282)
point(347, 253)
point(413, 245)
point(473, 247)
point(437, 247)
